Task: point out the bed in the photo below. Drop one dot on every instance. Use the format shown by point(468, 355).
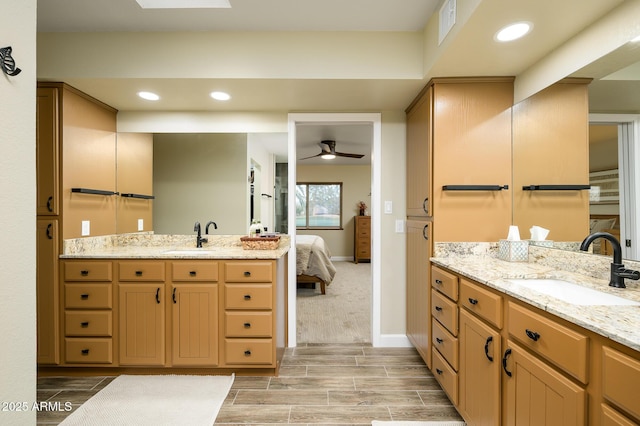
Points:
point(313, 261)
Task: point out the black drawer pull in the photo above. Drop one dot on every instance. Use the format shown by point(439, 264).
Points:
point(473, 301)
point(84, 273)
point(439, 371)
point(158, 295)
point(192, 273)
point(439, 340)
point(85, 351)
point(247, 297)
point(138, 273)
point(532, 335)
point(486, 348)
point(247, 353)
point(50, 204)
point(49, 234)
point(439, 282)
point(84, 324)
point(247, 325)
point(173, 296)
point(425, 229)
point(247, 273)
point(438, 308)
point(424, 205)
point(84, 296)
point(504, 362)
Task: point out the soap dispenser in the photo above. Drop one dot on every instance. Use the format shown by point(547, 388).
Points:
point(255, 226)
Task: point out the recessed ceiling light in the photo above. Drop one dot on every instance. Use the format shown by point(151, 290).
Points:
point(513, 31)
point(148, 96)
point(184, 4)
point(220, 96)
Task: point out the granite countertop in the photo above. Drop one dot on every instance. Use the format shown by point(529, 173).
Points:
point(618, 323)
point(152, 246)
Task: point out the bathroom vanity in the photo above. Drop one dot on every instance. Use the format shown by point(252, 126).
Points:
point(154, 302)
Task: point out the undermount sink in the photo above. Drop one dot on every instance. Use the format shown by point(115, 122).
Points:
point(573, 293)
point(189, 252)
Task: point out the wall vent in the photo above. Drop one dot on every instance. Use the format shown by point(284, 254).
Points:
point(447, 19)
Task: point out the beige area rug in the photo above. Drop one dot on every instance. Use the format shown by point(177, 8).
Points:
point(155, 400)
point(343, 314)
point(430, 423)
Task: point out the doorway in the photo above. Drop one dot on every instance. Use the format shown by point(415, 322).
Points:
point(374, 119)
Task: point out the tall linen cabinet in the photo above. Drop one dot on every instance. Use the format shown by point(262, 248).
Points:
point(458, 176)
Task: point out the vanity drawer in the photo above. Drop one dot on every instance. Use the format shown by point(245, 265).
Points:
point(248, 272)
point(445, 311)
point(88, 351)
point(611, 417)
point(88, 296)
point(621, 380)
point(481, 302)
point(445, 282)
point(564, 347)
point(445, 343)
point(87, 271)
point(249, 351)
point(248, 324)
point(145, 270)
point(88, 323)
point(248, 296)
point(194, 271)
point(445, 375)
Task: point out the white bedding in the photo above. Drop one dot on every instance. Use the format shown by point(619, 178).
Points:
point(314, 258)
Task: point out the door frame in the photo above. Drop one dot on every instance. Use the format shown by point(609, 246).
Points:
point(376, 162)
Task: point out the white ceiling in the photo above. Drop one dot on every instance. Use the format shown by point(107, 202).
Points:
point(473, 52)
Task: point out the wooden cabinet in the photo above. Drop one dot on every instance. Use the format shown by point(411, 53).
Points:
point(621, 384)
point(47, 292)
point(362, 238)
point(419, 136)
point(418, 287)
point(47, 152)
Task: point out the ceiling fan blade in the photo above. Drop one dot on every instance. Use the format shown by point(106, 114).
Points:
point(313, 156)
point(344, 154)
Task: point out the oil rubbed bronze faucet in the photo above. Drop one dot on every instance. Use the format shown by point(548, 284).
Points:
point(199, 239)
point(210, 223)
point(618, 272)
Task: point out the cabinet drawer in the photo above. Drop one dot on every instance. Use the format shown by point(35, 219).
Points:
point(88, 296)
point(141, 271)
point(249, 351)
point(248, 296)
point(610, 417)
point(444, 282)
point(621, 380)
point(445, 311)
point(194, 271)
point(248, 324)
point(445, 343)
point(248, 272)
point(481, 302)
point(87, 271)
point(88, 323)
point(445, 375)
point(88, 351)
point(562, 346)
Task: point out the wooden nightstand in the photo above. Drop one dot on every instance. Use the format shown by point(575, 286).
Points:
point(362, 238)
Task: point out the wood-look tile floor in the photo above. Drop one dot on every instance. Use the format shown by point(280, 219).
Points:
point(317, 384)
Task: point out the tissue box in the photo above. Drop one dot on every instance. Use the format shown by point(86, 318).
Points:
point(513, 251)
point(544, 243)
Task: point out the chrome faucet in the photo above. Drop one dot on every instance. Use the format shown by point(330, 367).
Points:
point(618, 272)
point(199, 239)
point(210, 223)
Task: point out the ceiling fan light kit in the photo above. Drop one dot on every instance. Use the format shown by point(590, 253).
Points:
point(329, 152)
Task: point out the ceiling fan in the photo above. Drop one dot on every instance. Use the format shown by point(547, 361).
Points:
point(329, 152)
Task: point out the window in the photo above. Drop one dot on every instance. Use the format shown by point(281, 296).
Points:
point(319, 205)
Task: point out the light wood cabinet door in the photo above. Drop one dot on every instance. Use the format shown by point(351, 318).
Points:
point(47, 152)
point(418, 291)
point(419, 122)
point(194, 324)
point(142, 324)
point(538, 395)
point(479, 372)
point(47, 292)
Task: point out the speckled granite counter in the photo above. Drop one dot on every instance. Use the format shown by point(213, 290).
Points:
point(478, 261)
point(152, 246)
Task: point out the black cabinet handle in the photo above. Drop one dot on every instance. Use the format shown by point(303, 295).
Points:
point(49, 234)
point(138, 273)
point(486, 348)
point(507, 353)
point(424, 232)
point(555, 187)
point(50, 204)
point(247, 325)
point(84, 273)
point(532, 335)
point(474, 187)
point(247, 273)
point(439, 340)
point(439, 371)
point(247, 297)
point(85, 351)
point(94, 191)
point(425, 207)
point(247, 353)
point(473, 301)
point(84, 296)
point(158, 295)
point(141, 196)
point(84, 324)
point(173, 296)
point(439, 282)
point(438, 308)
point(192, 273)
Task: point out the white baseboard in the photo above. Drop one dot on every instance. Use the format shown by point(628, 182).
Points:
point(394, 341)
point(342, 258)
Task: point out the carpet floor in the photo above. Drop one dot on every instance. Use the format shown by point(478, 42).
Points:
point(343, 314)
